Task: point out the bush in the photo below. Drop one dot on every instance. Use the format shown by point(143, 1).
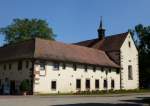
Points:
point(25, 85)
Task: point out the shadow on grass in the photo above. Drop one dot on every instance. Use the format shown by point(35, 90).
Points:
point(99, 104)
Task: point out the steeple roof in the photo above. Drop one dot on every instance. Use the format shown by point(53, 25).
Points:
point(101, 30)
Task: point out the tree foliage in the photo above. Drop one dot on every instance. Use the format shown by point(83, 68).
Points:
point(24, 29)
point(143, 44)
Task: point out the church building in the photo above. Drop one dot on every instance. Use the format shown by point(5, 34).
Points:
point(103, 63)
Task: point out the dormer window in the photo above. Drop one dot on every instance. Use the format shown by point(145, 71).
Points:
point(102, 69)
point(42, 66)
point(63, 66)
point(94, 69)
point(74, 67)
point(56, 66)
point(85, 67)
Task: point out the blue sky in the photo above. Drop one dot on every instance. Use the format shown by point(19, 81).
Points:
point(77, 20)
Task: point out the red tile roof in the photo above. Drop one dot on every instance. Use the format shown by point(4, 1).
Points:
point(109, 43)
point(56, 51)
point(17, 51)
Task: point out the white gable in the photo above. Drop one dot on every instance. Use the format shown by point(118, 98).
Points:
point(129, 57)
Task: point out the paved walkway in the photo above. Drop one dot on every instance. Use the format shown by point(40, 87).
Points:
point(92, 100)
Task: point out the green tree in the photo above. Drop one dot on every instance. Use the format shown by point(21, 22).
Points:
point(143, 44)
point(24, 29)
point(25, 85)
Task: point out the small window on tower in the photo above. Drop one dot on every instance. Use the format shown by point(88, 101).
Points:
point(129, 43)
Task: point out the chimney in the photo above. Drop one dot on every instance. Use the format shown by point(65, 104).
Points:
point(101, 31)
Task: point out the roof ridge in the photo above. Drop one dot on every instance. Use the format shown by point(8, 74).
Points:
point(67, 44)
point(119, 34)
point(114, 35)
point(14, 44)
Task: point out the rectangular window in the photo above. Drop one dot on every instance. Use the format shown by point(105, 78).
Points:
point(56, 66)
point(87, 84)
point(63, 66)
point(27, 64)
point(97, 84)
point(4, 66)
point(112, 84)
point(42, 66)
point(117, 71)
point(1, 86)
point(130, 74)
point(78, 83)
point(74, 67)
point(85, 67)
point(0, 83)
point(20, 65)
point(9, 66)
point(109, 70)
point(102, 69)
point(105, 83)
point(53, 85)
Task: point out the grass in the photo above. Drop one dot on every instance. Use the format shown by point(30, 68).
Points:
point(102, 92)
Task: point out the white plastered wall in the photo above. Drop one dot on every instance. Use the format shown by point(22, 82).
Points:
point(129, 56)
point(66, 78)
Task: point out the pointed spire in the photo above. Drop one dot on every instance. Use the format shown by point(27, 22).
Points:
point(101, 30)
point(101, 23)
